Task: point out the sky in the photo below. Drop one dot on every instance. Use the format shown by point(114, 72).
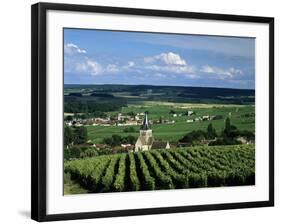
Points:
point(138, 58)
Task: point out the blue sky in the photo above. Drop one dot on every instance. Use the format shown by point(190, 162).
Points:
point(111, 57)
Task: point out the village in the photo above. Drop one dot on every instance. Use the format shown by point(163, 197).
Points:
point(135, 119)
point(146, 140)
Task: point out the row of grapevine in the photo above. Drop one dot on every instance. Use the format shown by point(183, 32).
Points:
point(108, 178)
point(166, 169)
point(162, 180)
point(119, 184)
point(148, 181)
point(88, 172)
point(180, 180)
point(134, 180)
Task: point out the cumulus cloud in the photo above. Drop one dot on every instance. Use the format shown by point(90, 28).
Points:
point(89, 66)
point(112, 68)
point(169, 63)
point(162, 66)
point(166, 58)
point(171, 69)
point(222, 73)
point(92, 67)
point(71, 48)
point(131, 64)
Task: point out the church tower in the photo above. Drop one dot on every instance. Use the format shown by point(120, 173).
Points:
point(145, 139)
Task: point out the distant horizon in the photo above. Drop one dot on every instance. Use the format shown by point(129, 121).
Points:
point(109, 84)
point(138, 58)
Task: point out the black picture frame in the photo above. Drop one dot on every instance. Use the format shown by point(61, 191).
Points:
point(38, 108)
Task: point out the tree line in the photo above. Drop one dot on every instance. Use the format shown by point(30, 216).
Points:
point(228, 136)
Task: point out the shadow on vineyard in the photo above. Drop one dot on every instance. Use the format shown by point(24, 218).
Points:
point(192, 167)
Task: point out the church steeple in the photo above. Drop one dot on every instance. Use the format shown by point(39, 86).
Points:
point(145, 140)
point(145, 125)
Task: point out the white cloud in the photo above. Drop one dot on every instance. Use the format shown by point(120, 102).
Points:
point(131, 64)
point(166, 58)
point(111, 68)
point(160, 75)
point(172, 69)
point(92, 67)
point(71, 48)
point(89, 66)
point(169, 63)
point(220, 72)
point(162, 66)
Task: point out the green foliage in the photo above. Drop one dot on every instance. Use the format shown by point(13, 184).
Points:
point(228, 136)
point(162, 180)
point(119, 184)
point(131, 113)
point(191, 167)
point(231, 133)
point(117, 140)
point(68, 136)
point(129, 140)
point(211, 132)
point(194, 136)
point(72, 152)
point(227, 125)
point(88, 172)
point(147, 179)
point(218, 117)
point(89, 152)
point(129, 129)
point(68, 118)
point(91, 104)
point(107, 179)
point(197, 180)
point(80, 135)
point(94, 114)
point(134, 180)
point(172, 112)
point(180, 179)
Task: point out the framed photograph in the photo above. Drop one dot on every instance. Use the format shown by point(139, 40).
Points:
point(139, 111)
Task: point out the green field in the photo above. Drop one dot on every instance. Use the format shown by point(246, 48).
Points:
point(173, 132)
point(163, 169)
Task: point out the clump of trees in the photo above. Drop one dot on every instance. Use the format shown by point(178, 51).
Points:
point(228, 136)
point(197, 136)
point(75, 152)
point(131, 113)
point(76, 135)
point(117, 140)
point(231, 133)
point(129, 129)
point(82, 104)
point(86, 115)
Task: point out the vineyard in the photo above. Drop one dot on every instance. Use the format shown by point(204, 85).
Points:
point(191, 167)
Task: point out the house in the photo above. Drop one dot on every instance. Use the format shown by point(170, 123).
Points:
point(206, 118)
point(189, 121)
point(190, 112)
point(128, 123)
point(126, 145)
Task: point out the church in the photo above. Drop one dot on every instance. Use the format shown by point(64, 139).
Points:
point(145, 140)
